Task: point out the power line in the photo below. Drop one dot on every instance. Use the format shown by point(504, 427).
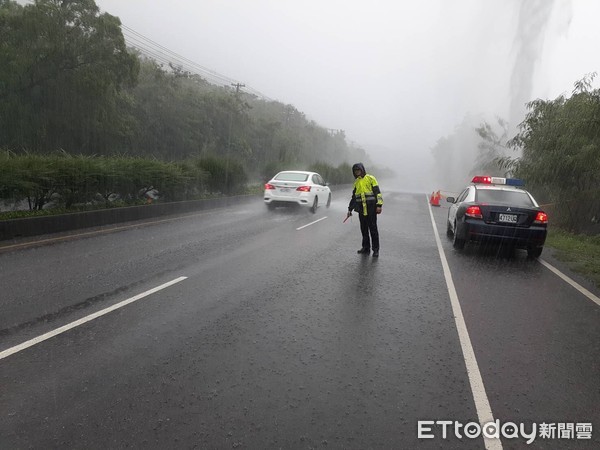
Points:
point(140, 40)
point(162, 54)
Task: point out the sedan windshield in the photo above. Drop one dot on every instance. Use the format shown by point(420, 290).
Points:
point(514, 198)
point(293, 176)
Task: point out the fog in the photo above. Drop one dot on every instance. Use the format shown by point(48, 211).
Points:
point(396, 76)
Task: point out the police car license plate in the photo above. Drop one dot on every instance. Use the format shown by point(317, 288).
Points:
point(509, 218)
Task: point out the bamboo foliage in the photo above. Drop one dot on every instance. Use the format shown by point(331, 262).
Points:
point(560, 144)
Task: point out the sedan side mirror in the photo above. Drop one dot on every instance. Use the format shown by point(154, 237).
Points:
point(450, 199)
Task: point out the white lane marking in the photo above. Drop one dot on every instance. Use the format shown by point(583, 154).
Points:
point(50, 334)
point(482, 404)
point(312, 223)
point(572, 282)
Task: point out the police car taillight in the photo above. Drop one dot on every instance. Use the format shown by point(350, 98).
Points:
point(303, 188)
point(479, 179)
point(269, 186)
point(541, 218)
point(474, 212)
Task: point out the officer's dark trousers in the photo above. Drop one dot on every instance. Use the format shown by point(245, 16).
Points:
point(368, 224)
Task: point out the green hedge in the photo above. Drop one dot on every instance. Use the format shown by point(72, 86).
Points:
point(68, 180)
point(71, 182)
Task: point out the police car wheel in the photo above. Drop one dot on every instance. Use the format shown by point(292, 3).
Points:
point(448, 229)
point(315, 205)
point(457, 243)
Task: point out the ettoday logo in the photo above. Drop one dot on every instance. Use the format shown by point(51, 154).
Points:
point(427, 429)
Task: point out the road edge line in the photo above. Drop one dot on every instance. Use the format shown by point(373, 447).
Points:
point(482, 404)
point(570, 281)
point(30, 343)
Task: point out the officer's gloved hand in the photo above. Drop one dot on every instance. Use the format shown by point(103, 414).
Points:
point(378, 210)
point(349, 214)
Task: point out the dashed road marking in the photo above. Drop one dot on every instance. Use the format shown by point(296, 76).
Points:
point(50, 334)
point(312, 223)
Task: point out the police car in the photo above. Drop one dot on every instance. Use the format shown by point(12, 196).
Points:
point(497, 209)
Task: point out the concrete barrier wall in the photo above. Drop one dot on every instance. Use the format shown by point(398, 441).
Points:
point(33, 226)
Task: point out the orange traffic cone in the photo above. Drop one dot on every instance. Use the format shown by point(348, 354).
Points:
point(434, 200)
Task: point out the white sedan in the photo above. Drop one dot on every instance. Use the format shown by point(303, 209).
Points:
point(297, 187)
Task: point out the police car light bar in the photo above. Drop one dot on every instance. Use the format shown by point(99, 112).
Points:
point(497, 180)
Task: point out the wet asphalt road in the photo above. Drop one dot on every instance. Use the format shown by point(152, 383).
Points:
point(285, 338)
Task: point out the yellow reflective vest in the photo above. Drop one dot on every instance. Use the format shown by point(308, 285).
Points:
point(366, 195)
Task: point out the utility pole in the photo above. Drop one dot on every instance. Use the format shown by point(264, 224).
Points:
point(288, 114)
point(237, 92)
point(237, 87)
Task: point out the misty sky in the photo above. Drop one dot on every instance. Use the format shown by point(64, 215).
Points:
point(395, 75)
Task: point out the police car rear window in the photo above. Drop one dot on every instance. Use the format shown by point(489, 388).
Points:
point(513, 198)
point(292, 176)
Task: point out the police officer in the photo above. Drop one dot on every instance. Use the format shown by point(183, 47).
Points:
point(367, 201)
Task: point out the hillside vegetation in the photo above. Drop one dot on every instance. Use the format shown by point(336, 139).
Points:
point(82, 116)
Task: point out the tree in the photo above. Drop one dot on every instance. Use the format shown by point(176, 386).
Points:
point(68, 83)
point(492, 148)
point(63, 65)
point(560, 144)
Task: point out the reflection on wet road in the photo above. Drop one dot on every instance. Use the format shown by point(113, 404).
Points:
point(283, 337)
